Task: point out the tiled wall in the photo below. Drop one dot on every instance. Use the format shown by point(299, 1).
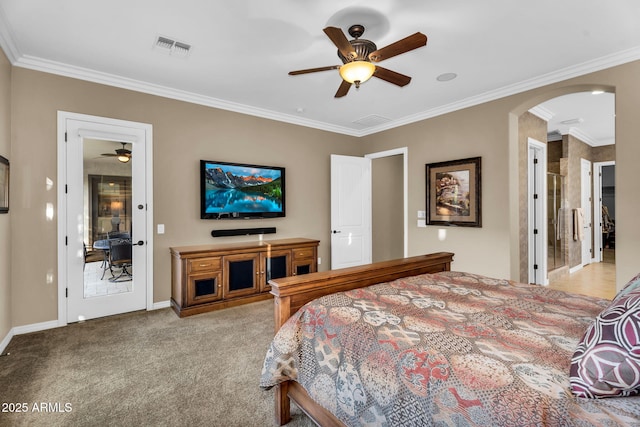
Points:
point(574, 150)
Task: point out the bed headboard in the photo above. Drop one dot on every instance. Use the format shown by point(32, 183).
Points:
point(291, 293)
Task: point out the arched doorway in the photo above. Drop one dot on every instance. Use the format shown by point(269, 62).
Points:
point(547, 118)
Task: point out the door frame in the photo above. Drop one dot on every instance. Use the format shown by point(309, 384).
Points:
point(404, 152)
point(598, 244)
point(586, 259)
point(537, 252)
point(63, 116)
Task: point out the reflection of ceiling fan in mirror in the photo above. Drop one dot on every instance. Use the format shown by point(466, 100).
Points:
point(122, 154)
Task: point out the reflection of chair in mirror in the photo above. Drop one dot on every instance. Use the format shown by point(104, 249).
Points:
point(90, 255)
point(120, 257)
point(118, 235)
point(86, 255)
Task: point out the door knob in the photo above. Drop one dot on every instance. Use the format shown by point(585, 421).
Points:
point(140, 243)
point(336, 231)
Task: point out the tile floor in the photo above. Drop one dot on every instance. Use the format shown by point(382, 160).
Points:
point(94, 286)
point(596, 279)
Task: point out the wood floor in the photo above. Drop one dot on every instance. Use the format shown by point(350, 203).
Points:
point(596, 279)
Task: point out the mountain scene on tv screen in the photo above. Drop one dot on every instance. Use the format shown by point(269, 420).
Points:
point(247, 190)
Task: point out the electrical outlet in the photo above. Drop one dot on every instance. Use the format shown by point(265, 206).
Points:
point(319, 260)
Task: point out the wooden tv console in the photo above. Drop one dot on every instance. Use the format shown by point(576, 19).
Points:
point(210, 277)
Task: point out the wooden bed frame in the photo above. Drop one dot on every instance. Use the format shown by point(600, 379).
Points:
point(291, 293)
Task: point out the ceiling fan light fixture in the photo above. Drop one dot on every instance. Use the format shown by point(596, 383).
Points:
point(123, 158)
point(357, 72)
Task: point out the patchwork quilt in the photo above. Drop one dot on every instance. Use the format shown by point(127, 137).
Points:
point(446, 349)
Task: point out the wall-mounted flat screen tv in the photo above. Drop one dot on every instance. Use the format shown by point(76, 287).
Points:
point(236, 190)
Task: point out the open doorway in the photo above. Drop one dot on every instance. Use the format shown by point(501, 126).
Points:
point(390, 204)
point(580, 131)
point(388, 208)
point(604, 184)
point(353, 236)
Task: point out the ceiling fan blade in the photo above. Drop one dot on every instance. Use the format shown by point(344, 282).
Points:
point(313, 70)
point(108, 154)
point(340, 40)
point(391, 76)
point(343, 89)
point(414, 41)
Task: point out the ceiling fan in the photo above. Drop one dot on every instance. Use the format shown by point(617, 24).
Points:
point(123, 154)
point(358, 55)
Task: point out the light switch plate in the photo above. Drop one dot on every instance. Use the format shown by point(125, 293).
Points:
point(422, 214)
point(160, 228)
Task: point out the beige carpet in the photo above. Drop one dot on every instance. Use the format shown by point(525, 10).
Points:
point(145, 369)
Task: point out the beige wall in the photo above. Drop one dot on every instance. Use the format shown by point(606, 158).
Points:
point(477, 131)
point(5, 231)
point(490, 130)
point(185, 133)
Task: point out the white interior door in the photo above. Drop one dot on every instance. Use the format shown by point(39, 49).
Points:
point(350, 211)
point(587, 209)
point(88, 298)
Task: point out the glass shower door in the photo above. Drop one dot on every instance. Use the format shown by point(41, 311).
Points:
point(556, 218)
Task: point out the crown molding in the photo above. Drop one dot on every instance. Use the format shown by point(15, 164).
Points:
point(53, 67)
point(542, 113)
point(598, 64)
point(587, 139)
point(58, 68)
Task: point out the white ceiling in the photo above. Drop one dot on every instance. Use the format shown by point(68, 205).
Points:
point(242, 51)
point(587, 116)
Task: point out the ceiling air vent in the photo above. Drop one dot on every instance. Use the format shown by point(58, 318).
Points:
point(372, 120)
point(172, 47)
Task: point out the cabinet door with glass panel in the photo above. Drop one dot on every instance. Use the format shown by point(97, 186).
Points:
point(204, 280)
point(304, 261)
point(242, 274)
point(275, 264)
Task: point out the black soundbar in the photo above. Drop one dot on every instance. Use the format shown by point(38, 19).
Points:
point(243, 231)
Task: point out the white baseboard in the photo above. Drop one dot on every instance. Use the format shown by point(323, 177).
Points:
point(576, 268)
point(5, 342)
point(19, 330)
point(36, 327)
point(160, 305)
